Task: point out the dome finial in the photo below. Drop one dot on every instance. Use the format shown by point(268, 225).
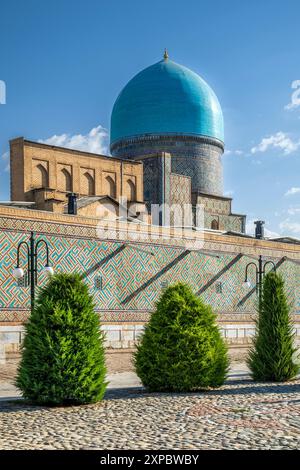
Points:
point(166, 55)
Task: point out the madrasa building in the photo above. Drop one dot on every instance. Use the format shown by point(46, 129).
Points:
point(109, 218)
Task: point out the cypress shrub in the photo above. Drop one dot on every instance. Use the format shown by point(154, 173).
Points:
point(181, 348)
point(63, 354)
point(271, 356)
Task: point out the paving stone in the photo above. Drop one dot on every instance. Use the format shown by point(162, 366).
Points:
point(240, 415)
point(135, 419)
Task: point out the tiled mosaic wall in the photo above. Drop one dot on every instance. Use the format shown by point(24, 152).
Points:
point(180, 189)
point(198, 159)
point(232, 222)
point(157, 171)
point(214, 205)
point(126, 282)
point(194, 156)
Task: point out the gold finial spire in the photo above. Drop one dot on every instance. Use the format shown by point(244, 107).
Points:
point(166, 55)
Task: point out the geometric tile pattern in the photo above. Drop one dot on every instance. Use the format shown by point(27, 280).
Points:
point(226, 222)
point(133, 279)
point(180, 189)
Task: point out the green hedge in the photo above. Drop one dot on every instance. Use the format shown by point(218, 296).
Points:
point(63, 355)
point(181, 348)
point(271, 357)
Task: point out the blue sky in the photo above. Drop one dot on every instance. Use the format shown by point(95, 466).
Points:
point(65, 61)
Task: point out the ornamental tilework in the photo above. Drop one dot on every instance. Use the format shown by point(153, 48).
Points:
point(217, 206)
point(132, 280)
point(180, 189)
point(199, 158)
point(226, 222)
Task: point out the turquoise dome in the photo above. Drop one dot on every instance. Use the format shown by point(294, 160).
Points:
point(166, 98)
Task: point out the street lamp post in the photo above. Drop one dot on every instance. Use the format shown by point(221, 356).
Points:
point(260, 271)
point(32, 263)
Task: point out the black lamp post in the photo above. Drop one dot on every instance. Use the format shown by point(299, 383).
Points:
point(32, 262)
point(260, 271)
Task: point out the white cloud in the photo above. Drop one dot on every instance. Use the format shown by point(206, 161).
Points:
point(295, 98)
point(292, 191)
point(271, 234)
point(280, 140)
point(290, 226)
point(95, 141)
point(250, 229)
point(5, 157)
point(293, 210)
point(233, 152)
point(229, 193)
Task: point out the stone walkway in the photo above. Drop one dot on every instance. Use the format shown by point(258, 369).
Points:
point(240, 415)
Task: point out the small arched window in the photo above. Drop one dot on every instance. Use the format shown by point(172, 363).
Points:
point(67, 180)
point(110, 187)
point(90, 184)
point(215, 225)
point(131, 193)
point(42, 177)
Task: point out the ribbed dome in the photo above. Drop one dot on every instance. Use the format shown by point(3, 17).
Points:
point(166, 98)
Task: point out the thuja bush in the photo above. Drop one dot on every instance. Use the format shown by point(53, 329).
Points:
point(181, 348)
point(272, 355)
point(63, 354)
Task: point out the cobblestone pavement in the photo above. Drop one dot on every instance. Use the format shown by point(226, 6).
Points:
point(240, 415)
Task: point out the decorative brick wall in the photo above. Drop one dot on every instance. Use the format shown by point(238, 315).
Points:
point(181, 188)
point(217, 208)
point(33, 164)
point(230, 222)
point(197, 157)
point(215, 205)
point(132, 279)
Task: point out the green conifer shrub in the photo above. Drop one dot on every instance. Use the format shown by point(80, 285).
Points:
point(271, 356)
point(63, 354)
point(181, 348)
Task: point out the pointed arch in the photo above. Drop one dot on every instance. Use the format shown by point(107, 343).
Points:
point(67, 180)
point(41, 177)
point(130, 190)
point(215, 225)
point(90, 184)
point(110, 186)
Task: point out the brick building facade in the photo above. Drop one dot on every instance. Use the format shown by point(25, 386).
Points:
point(43, 175)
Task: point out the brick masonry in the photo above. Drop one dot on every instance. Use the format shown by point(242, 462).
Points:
point(44, 174)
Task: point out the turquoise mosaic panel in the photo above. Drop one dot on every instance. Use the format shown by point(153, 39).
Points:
point(132, 279)
point(10, 294)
